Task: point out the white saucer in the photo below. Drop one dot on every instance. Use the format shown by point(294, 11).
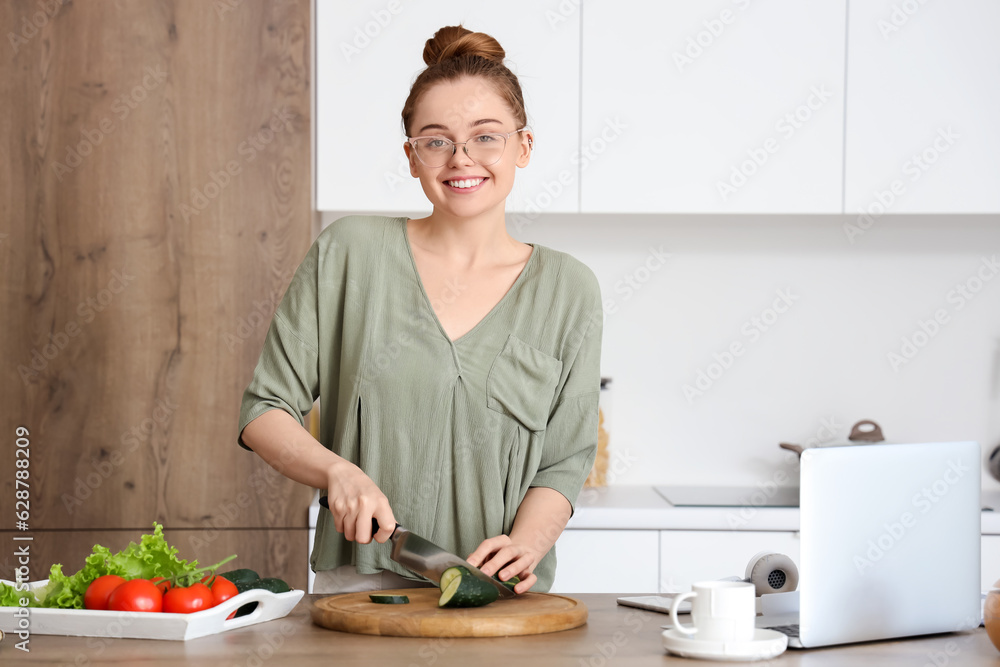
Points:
point(765, 644)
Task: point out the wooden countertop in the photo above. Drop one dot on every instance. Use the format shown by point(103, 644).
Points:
point(614, 635)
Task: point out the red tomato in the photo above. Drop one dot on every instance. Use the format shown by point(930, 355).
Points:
point(136, 595)
point(100, 590)
point(188, 600)
point(222, 590)
point(163, 584)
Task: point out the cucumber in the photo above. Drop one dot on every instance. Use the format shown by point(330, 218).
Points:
point(510, 582)
point(389, 599)
point(244, 586)
point(241, 575)
point(272, 584)
point(460, 589)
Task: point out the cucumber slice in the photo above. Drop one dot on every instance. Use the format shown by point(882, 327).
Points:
point(460, 589)
point(450, 575)
point(389, 599)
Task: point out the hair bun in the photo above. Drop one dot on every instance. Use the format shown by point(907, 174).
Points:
point(455, 41)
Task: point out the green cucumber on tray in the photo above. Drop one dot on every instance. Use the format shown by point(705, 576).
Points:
point(245, 580)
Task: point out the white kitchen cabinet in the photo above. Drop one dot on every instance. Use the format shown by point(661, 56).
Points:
point(687, 556)
point(990, 564)
point(923, 99)
point(722, 106)
point(607, 561)
point(367, 55)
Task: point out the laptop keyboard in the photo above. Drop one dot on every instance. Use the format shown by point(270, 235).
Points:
point(790, 630)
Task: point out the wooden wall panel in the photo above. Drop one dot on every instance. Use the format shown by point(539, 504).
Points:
point(156, 164)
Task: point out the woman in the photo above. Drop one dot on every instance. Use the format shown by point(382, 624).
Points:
point(457, 369)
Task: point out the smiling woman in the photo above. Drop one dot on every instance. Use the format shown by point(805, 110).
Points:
point(457, 368)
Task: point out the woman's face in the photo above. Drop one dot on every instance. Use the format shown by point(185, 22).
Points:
point(461, 110)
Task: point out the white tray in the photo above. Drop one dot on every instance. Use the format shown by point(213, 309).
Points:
point(151, 625)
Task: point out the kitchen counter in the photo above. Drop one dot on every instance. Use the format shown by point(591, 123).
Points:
point(642, 508)
point(613, 635)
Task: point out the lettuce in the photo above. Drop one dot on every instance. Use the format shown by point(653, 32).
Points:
point(11, 597)
point(151, 557)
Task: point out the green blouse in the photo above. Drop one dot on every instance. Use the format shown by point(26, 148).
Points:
point(453, 432)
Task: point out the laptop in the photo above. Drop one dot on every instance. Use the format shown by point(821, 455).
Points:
point(890, 544)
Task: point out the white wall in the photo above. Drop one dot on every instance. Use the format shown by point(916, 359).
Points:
point(822, 362)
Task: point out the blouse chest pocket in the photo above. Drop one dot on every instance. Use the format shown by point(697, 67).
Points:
point(522, 383)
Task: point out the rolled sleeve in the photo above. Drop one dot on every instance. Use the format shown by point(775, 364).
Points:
point(287, 373)
point(570, 447)
point(571, 434)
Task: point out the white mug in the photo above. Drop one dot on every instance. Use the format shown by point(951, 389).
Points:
point(720, 611)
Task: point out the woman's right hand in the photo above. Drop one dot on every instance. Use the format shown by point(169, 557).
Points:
point(354, 499)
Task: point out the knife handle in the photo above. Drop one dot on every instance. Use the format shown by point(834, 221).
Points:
point(326, 503)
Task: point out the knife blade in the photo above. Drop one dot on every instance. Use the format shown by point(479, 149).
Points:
point(428, 559)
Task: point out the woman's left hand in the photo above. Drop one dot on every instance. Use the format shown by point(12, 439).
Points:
point(506, 558)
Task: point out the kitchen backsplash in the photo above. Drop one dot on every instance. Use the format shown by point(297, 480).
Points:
point(727, 334)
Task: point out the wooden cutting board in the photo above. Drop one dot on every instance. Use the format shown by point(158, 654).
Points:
point(527, 614)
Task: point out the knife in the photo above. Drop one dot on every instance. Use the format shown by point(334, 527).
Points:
point(426, 558)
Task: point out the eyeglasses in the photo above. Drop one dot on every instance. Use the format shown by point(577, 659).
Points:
point(483, 149)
